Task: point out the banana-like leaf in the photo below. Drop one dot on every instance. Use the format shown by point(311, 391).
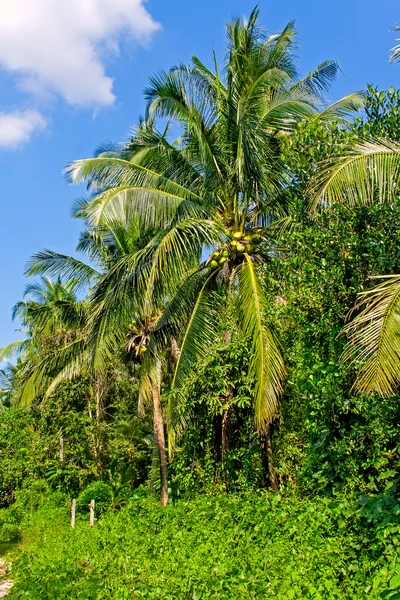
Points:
point(374, 338)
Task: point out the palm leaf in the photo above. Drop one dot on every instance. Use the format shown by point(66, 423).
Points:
point(374, 338)
point(266, 365)
point(47, 262)
point(367, 170)
point(395, 51)
point(13, 349)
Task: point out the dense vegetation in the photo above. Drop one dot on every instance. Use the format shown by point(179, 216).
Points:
point(223, 343)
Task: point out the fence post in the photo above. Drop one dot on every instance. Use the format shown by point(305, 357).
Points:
point(73, 511)
point(91, 513)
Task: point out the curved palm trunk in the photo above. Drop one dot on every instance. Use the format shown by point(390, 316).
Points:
point(159, 439)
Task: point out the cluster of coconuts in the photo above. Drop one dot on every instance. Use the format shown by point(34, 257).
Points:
point(140, 348)
point(239, 244)
point(140, 345)
point(219, 258)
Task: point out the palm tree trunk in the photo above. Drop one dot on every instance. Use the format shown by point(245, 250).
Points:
point(155, 465)
point(266, 445)
point(159, 438)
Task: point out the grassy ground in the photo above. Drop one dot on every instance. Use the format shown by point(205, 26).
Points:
point(245, 547)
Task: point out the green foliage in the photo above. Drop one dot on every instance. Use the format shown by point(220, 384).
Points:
point(98, 491)
point(17, 437)
point(116, 449)
point(219, 403)
point(382, 115)
point(251, 546)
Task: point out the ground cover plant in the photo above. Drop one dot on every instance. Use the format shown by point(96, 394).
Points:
point(247, 546)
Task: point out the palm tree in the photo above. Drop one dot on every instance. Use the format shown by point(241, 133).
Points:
point(368, 173)
point(110, 250)
point(216, 190)
point(8, 375)
point(52, 321)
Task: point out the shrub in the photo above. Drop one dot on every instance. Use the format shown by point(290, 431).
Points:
point(100, 492)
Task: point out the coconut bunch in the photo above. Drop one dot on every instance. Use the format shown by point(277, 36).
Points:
point(138, 335)
point(240, 243)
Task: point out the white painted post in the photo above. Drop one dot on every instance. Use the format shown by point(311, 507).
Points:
point(91, 513)
point(73, 512)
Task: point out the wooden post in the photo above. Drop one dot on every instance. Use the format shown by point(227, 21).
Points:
point(73, 512)
point(91, 513)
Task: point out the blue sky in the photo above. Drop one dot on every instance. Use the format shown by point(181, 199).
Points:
point(64, 92)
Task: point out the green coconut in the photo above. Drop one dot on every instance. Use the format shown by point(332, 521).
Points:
point(248, 238)
point(214, 264)
point(234, 243)
point(216, 254)
point(143, 349)
point(249, 248)
point(241, 247)
point(255, 238)
point(238, 235)
point(222, 260)
point(225, 253)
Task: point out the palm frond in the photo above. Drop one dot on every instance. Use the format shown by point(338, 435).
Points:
point(47, 262)
point(12, 350)
point(340, 111)
point(395, 51)
point(266, 365)
point(318, 82)
point(199, 334)
point(374, 338)
point(367, 172)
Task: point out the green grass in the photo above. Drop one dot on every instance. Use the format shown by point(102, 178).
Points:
point(236, 547)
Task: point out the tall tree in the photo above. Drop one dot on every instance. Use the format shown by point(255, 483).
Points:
point(218, 186)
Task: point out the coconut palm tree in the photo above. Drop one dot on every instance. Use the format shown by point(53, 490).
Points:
point(52, 320)
point(369, 173)
point(216, 190)
point(8, 375)
point(106, 338)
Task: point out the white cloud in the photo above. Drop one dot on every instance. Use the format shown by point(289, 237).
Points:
point(57, 45)
point(17, 127)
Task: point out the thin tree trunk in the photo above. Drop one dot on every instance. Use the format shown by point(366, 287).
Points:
point(61, 447)
point(224, 434)
point(159, 438)
point(266, 444)
point(100, 388)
